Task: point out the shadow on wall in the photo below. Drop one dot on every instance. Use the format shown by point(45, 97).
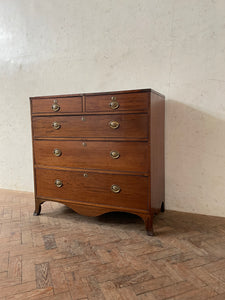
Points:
point(195, 160)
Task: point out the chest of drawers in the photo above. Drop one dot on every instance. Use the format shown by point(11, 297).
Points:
point(100, 152)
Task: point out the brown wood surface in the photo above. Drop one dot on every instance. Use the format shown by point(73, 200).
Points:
point(93, 155)
point(127, 102)
point(69, 104)
point(94, 94)
point(86, 140)
point(157, 159)
point(95, 188)
point(131, 126)
point(98, 93)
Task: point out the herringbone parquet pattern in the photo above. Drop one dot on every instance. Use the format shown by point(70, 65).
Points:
point(61, 255)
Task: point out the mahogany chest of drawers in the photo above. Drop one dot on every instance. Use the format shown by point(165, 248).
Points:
point(100, 152)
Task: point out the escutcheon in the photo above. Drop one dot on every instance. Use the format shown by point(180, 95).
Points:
point(115, 188)
point(56, 125)
point(114, 154)
point(58, 183)
point(57, 152)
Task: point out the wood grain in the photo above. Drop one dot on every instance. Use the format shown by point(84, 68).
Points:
point(94, 154)
point(95, 188)
point(126, 101)
point(131, 126)
point(157, 154)
point(67, 104)
point(42, 275)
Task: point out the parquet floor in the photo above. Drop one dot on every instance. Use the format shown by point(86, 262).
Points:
point(61, 255)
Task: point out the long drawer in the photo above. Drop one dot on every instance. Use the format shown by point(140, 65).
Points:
point(108, 189)
point(116, 125)
point(117, 156)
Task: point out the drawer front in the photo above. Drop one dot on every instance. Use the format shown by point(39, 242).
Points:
point(129, 191)
point(90, 126)
point(117, 156)
point(57, 105)
point(118, 102)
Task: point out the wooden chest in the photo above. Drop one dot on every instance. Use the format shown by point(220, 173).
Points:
point(100, 152)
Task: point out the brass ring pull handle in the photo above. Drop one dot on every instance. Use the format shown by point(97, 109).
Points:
point(115, 188)
point(56, 125)
point(114, 124)
point(114, 104)
point(55, 107)
point(58, 183)
point(57, 152)
point(114, 154)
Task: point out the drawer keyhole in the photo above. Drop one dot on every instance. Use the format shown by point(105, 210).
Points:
point(56, 125)
point(115, 188)
point(114, 154)
point(57, 152)
point(58, 183)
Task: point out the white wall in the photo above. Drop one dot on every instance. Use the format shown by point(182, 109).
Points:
point(174, 46)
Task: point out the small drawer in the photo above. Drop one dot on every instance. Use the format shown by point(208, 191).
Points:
point(115, 190)
point(56, 105)
point(117, 102)
point(104, 155)
point(90, 126)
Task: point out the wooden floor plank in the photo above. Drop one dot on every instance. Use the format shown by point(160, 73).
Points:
point(15, 267)
point(43, 278)
point(34, 294)
point(173, 290)
point(49, 241)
